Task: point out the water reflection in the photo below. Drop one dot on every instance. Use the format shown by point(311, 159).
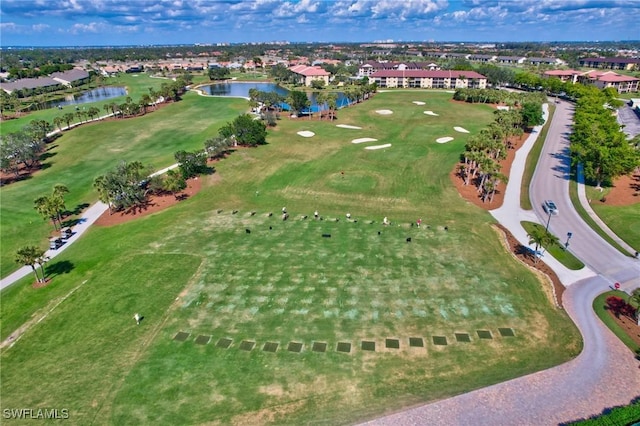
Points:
point(95, 95)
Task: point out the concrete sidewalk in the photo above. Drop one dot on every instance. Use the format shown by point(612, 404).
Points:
point(86, 220)
point(510, 214)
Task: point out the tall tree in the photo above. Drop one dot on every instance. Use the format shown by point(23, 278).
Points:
point(245, 131)
point(298, 101)
point(174, 182)
point(32, 256)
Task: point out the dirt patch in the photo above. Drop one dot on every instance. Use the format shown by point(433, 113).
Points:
point(625, 191)
point(156, 203)
point(628, 325)
point(470, 192)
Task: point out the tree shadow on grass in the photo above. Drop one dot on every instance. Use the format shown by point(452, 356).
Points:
point(59, 268)
point(78, 209)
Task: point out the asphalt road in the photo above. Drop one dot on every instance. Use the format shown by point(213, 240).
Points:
point(551, 181)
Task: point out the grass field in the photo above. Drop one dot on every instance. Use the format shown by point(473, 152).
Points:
point(623, 220)
point(77, 157)
point(191, 269)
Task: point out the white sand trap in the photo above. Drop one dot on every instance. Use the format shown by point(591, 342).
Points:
point(384, 111)
point(306, 133)
point(460, 129)
point(431, 113)
point(348, 126)
point(502, 108)
point(363, 140)
point(386, 145)
point(444, 139)
point(418, 102)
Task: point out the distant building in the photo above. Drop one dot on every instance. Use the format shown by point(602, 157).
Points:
point(306, 74)
point(628, 64)
point(426, 79)
point(370, 67)
point(600, 79)
point(71, 78)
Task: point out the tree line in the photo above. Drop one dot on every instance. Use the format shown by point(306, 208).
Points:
point(480, 162)
point(597, 141)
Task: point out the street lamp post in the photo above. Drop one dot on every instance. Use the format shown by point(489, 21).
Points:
point(569, 235)
point(546, 229)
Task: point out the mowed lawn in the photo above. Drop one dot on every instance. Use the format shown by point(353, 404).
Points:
point(77, 157)
point(254, 279)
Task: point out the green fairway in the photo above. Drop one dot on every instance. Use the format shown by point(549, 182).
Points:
point(256, 280)
point(79, 156)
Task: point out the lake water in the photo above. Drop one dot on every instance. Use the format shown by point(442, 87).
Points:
point(99, 94)
point(241, 89)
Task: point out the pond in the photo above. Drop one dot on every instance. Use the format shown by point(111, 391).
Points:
point(241, 89)
point(95, 95)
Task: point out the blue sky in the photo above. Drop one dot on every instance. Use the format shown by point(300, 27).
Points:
point(143, 22)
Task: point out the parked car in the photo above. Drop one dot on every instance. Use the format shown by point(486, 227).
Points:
point(550, 207)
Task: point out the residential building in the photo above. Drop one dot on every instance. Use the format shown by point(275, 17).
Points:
point(600, 79)
point(628, 64)
point(306, 74)
point(425, 79)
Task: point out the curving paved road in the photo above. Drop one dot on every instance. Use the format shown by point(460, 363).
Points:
point(605, 374)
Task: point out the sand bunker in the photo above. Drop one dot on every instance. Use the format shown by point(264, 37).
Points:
point(418, 102)
point(460, 129)
point(502, 108)
point(386, 145)
point(348, 126)
point(363, 140)
point(384, 111)
point(306, 133)
point(444, 139)
point(431, 113)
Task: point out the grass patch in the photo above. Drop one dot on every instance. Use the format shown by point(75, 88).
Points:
point(599, 306)
point(506, 332)
point(416, 342)
point(343, 347)
point(463, 337)
point(532, 161)
point(295, 347)
point(202, 339)
point(624, 221)
point(270, 347)
point(439, 340)
point(224, 343)
point(392, 343)
point(319, 347)
point(558, 252)
point(181, 336)
point(368, 345)
point(484, 334)
point(575, 200)
point(247, 345)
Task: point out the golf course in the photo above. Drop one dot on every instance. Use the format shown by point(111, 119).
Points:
point(249, 319)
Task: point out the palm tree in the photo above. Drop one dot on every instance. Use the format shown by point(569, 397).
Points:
point(332, 102)
point(45, 207)
point(57, 200)
point(32, 256)
point(541, 238)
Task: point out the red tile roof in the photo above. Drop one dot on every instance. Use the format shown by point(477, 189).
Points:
point(308, 71)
